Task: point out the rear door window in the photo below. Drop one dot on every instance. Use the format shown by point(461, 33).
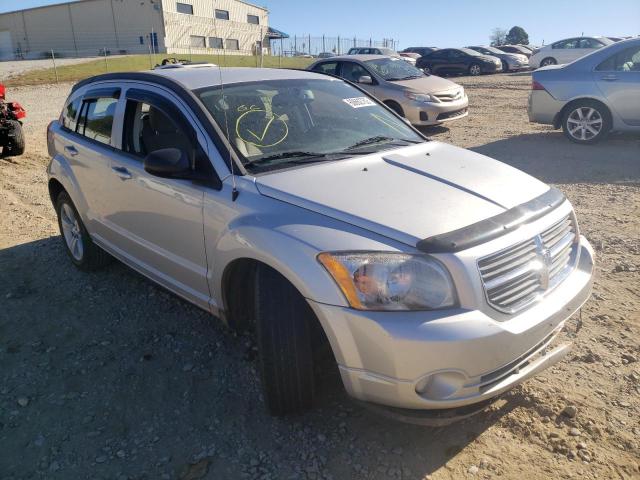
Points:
point(96, 119)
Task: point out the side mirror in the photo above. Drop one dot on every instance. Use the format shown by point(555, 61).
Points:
point(167, 162)
point(365, 80)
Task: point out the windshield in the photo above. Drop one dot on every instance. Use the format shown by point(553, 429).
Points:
point(274, 124)
point(394, 69)
point(470, 52)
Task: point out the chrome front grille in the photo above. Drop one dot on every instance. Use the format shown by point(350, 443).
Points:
point(515, 277)
point(449, 96)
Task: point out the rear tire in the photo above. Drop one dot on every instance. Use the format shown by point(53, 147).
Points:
point(586, 122)
point(548, 61)
point(475, 69)
point(84, 254)
point(283, 333)
point(15, 147)
point(505, 67)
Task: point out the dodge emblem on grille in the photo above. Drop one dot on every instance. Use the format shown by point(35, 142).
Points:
point(545, 260)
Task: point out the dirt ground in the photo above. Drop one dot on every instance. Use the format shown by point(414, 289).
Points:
point(106, 376)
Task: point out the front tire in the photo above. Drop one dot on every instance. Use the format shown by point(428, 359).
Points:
point(428, 69)
point(283, 331)
point(395, 107)
point(475, 69)
point(16, 145)
point(586, 122)
point(548, 61)
point(84, 254)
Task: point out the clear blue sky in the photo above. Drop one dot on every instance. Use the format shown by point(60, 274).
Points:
point(443, 23)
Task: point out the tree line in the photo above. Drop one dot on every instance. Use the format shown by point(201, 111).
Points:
point(515, 36)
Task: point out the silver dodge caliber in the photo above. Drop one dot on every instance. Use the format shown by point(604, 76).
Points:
point(296, 205)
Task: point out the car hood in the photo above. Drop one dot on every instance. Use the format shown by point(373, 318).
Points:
point(427, 84)
point(406, 194)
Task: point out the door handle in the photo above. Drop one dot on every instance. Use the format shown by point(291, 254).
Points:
point(71, 150)
point(610, 78)
point(122, 172)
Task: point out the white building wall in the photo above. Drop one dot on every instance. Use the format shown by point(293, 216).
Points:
point(89, 27)
point(180, 27)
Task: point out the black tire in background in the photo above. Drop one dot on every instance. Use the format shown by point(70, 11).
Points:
point(395, 107)
point(285, 347)
point(505, 66)
point(475, 69)
point(597, 118)
point(548, 61)
point(93, 257)
point(428, 69)
point(16, 145)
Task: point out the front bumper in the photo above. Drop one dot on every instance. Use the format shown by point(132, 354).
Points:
point(424, 114)
point(516, 67)
point(450, 359)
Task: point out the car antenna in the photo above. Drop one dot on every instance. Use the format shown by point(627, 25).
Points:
point(234, 190)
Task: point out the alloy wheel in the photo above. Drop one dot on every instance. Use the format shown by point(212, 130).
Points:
point(475, 70)
point(71, 231)
point(584, 123)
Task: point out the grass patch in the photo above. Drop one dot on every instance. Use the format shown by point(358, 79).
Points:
point(137, 63)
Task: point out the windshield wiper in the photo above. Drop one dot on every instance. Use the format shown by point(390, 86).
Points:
point(287, 155)
point(380, 139)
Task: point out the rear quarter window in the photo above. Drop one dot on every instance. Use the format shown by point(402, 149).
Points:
point(69, 115)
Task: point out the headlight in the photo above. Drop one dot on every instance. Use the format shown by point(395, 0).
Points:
point(420, 97)
point(390, 281)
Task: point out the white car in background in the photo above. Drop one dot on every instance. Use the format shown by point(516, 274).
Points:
point(567, 50)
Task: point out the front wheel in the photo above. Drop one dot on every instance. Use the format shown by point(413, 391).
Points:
point(16, 144)
point(285, 347)
point(427, 69)
point(586, 122)
point(548, 61)
point(84, 254)
point(475, 70)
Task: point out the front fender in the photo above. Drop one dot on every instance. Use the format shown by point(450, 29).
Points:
point(285, 237)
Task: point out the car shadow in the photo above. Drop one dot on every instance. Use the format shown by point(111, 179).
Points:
point(111, 355)
point(552, 158)
point(432, 129)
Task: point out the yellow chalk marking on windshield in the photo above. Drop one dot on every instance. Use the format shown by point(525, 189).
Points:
point(258, 142)
point(264, 132)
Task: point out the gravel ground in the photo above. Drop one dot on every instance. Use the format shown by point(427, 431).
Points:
point(106, 376)
point(13, 68)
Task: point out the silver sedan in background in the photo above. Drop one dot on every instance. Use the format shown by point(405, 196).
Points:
point(591, 96)
point(421, 99)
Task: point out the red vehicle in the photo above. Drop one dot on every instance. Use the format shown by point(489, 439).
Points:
point(11, 134)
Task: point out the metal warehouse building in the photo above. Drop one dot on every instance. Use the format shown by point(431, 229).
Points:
point(93, 27)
